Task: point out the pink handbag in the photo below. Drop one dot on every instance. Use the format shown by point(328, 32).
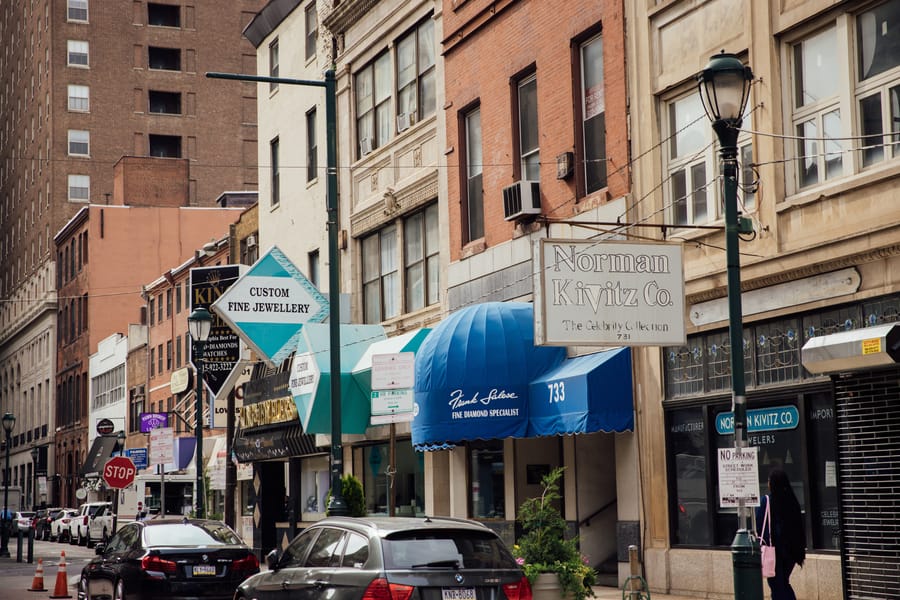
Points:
point(767, 550)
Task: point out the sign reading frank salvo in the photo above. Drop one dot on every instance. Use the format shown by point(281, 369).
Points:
point(608, 293)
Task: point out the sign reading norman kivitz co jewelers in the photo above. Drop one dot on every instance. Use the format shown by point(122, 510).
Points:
point(608, 293)
point(269, 304)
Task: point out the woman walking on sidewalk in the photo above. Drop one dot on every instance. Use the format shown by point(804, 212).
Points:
point(788, 533)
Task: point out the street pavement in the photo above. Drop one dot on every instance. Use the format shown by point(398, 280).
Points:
point(16, 577)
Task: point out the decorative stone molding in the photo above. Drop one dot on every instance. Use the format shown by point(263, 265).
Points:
point(395, 203)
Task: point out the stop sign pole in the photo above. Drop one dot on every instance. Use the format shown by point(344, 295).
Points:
point(118, 473)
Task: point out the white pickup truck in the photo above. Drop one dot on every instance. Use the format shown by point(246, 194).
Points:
point(94, 522)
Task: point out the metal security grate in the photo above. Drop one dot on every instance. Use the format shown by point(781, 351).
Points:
point(868, 429)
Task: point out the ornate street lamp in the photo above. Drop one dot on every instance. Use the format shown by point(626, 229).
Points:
point(199, 324)
point(724, 89)
point(35, 454)
point(9, 421)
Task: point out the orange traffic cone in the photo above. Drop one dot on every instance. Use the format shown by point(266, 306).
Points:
point(62, 585)
point(37, 584)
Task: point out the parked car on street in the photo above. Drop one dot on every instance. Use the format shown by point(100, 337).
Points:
point(344, 558)
point(169, 558)
point(41, 522)
point(59, 526)
point(80, 528)
point(23, 519)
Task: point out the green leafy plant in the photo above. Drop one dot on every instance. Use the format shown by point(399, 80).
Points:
point(543, 546)
point(354, 496)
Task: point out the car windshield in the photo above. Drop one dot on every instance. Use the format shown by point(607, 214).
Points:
point(190, 534)
point(464, 549)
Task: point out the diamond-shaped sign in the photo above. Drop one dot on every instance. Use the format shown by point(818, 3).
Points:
point(269, 304)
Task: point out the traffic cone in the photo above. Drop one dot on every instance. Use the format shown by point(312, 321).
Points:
point(62, 586)
point(37, 584)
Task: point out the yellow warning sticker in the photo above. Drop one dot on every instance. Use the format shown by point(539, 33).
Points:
point(872, 346)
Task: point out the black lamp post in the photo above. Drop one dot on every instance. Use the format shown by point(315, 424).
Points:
point(724, 89)
point(9, 421)
point(35, 453)
point(199, 324)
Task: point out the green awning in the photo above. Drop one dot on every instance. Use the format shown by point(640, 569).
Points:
point(405, 342)
point(311, 377)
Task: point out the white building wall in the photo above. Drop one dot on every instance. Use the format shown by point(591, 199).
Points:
point(111, 354)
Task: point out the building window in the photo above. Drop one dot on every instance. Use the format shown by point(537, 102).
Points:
point(273, 64)
point(593, 115)
point(488, 497)
point(381, 279)
point(878, 90)
point(79, 142)
point(416, 96)
point(529, 150)
point(406, 483)
point(159, 359)
point(152, 361)
point(135, 407)
point(168, 303)
point(79, 98)
point(159, 308)
point(169, 355)
point(79, 188)
point(311, 146)
point(421, 258)
point(77, 53)
point(166, 59)
point(312, 29)
point(275, 170)
point(373, 105)
point(77, 10)
point(177, 299)
point(314, 273)
point(165, 146)
point(168, 103)
point(692, 193)
point(178, 355)
point(152, 304)
point(163, 15)
point(474, 193)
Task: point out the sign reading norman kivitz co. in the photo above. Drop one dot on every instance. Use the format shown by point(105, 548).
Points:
point(608, 293)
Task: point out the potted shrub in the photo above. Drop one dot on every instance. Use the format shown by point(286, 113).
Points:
point(546, 555)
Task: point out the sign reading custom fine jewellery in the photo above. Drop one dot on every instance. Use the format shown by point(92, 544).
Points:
point(608, 293)
point(222, 350)
point(269, 305)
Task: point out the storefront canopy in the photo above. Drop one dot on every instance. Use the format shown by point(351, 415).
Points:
point(405, 342)
point(583, 395)
point(472, 375)
point(101, 451)
point(314, 404)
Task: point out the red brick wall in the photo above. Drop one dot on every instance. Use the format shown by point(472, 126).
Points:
point(151, 182)
point(483, 50)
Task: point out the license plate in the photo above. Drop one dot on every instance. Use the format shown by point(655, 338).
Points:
point(208, 570)
point(457, 593)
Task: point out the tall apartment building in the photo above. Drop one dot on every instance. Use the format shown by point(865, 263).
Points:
point(83, 83)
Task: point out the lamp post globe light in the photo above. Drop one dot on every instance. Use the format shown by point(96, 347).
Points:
point(9, 421)
point(199, 324)
point(724, 89)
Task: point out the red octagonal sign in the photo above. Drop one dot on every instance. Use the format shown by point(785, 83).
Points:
point(119, 472)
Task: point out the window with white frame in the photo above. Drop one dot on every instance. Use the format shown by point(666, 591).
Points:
point(79, 142)
point(826, 112)
point(312, 146)
point(692, 190)
point(380, 275)
point(274, 151)
point(416, 96)
point(79, 188)
point(77, 53)
point(474, 192)
point(593, 114)
point(312, 29)
point(79, 98)
point(421, 258)
point(77, 10)
point(529, 150)
point(273, 63)
point(373, 104)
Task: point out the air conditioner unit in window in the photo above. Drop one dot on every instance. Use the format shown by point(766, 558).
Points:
point(521, 199)
point(365, 146)
point(251, 241)
point(404, 120)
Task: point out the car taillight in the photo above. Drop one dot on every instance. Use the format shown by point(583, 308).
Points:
point(248, 563)
point(380, 589)
point(85, 520)
point(518, 591)
point(66, 521)
point(155, 563)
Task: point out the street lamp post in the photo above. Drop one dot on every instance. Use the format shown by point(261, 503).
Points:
point(199, 324)
point(9, 421)
point(35, 453)
point(337, 506)
point(724, 88)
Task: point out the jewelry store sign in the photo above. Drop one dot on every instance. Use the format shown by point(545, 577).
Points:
point(608, 293)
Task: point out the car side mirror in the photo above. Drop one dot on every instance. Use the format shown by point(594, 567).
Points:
point(272, 559)
point(100, 548)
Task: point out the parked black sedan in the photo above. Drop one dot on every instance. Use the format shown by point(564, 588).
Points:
point(168, 558)
point(400, 558)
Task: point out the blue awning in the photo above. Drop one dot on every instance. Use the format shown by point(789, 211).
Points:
point(472, 375)
point(583, 395)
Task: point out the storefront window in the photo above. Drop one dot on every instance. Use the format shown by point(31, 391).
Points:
point(406, 479)
point(487, 495)
point(315, 482)
point(688, 449)
point(820, 429)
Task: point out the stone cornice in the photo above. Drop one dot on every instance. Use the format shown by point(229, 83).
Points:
point(346, 14)
point(395, 204)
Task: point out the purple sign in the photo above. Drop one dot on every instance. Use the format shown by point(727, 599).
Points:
point(151, 421)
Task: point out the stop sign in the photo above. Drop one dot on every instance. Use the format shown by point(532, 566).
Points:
point(119, 472)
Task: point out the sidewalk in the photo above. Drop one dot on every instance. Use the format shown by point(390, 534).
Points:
point(609, 593)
